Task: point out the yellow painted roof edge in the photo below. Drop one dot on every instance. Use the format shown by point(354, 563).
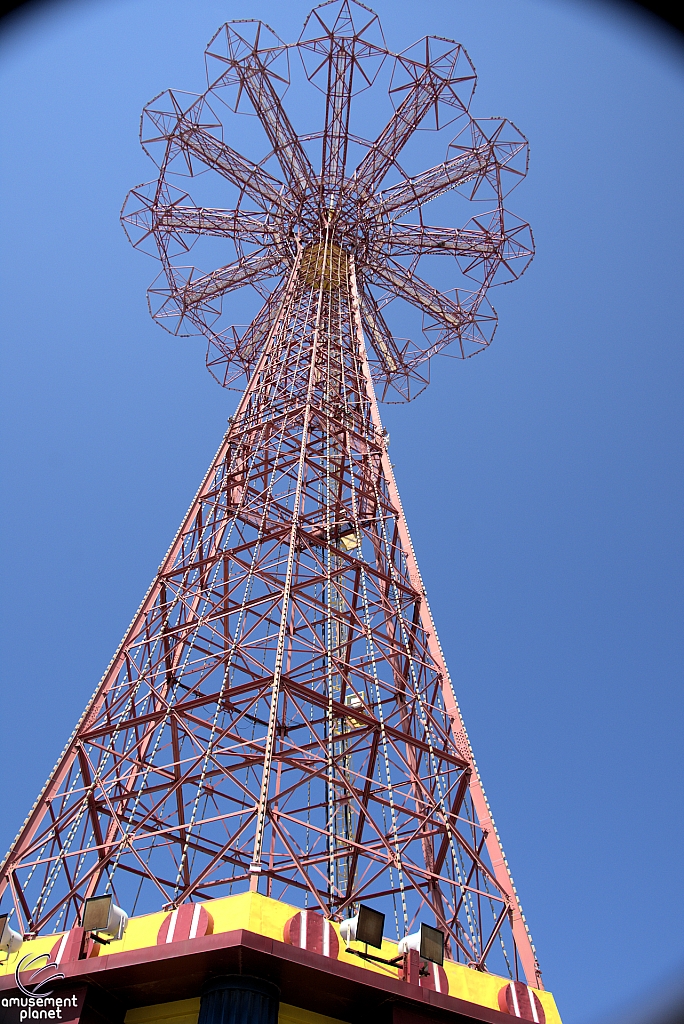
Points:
point(256, 913)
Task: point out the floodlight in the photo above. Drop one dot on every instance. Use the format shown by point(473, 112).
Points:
point(10, 941)
point(367, 926)
point(100, 914)
point(431, 944)
point(428, 943)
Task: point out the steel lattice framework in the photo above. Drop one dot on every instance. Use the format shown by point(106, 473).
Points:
point(279, 715)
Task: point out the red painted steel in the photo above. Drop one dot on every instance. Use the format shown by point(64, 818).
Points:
point(279, 715)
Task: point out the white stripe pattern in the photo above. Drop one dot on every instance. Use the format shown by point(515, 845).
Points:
point(533, 1005)
point(172, 925)
point(62, 947)
point(197, 910)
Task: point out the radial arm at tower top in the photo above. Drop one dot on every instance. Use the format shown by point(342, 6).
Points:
point(279, 717)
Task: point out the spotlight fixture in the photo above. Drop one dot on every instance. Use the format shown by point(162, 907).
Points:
point(367, 926)
point(102, 916)
point(10, 941)
point(428, 942)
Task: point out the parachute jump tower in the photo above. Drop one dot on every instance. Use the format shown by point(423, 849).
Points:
point(275, 758)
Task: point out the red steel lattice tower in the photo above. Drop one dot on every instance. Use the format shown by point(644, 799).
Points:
point(279, 716)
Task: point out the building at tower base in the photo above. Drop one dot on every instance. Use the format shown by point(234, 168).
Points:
point(269, 962)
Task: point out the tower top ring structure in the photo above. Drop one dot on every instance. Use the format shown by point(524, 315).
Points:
point(299, 186)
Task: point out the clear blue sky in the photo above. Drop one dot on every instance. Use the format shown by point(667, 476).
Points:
point(542, 480)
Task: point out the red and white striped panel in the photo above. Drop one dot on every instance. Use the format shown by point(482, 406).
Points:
point(68, 947)
point(311, 931)
point(189, 921)
point(521, 1001)
point(436, 979)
